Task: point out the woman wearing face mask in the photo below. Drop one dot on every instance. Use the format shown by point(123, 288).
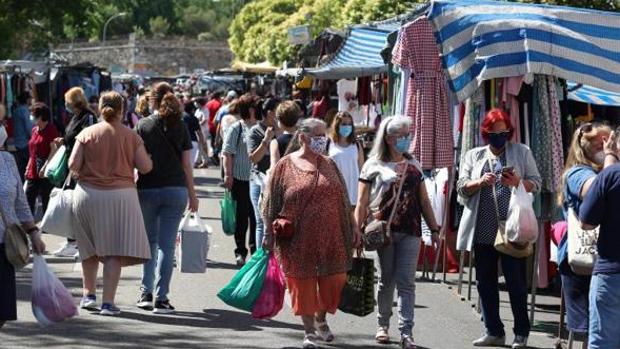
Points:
point(82, 116)
point(346, 152)
point(592, 149)
point(39, 146)
point(503, 165)
point(306, 188)
point(379, 184)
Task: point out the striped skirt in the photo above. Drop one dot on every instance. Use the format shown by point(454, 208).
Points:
point(109, 223)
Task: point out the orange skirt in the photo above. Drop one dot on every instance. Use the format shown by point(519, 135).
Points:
point(313, 295)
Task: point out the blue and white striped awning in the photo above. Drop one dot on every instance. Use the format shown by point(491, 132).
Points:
point(481, 40)
point(592, 95)
point(360, 54)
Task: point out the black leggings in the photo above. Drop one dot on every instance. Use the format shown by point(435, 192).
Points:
point(35, 188)
point(245, 214)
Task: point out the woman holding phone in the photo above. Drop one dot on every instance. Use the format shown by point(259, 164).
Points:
point(487, 177)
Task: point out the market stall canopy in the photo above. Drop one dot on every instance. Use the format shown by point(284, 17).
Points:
point(482, 40)
point(592, 95)
point(360, 54)
point(258, 68)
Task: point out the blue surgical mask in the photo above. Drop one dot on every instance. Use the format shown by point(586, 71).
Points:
point(345, 130)
point(68, 108)
point(498, 140)
point(403, 144)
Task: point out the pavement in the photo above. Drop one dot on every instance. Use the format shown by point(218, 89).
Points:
point(444, 320)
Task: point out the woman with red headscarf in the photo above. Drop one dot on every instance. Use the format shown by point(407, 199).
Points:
point(501, 164)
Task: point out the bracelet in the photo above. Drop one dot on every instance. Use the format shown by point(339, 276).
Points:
point(614, 155)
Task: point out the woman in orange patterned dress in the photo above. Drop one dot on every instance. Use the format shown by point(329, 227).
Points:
point(307, 189)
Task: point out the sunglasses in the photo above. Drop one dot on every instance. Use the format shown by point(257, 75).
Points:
point(585, 128)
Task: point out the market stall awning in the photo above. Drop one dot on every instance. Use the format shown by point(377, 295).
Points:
point(481, 40)
point(360, 55)
point(592, 95)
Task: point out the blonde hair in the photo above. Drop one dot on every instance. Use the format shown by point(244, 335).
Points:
point(142, 107)
point(111, 105)
point(577, 153)
point(76, 98)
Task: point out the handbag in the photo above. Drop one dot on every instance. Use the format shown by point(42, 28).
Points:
point(378, 233)
point(15, 243)
point(582, 249)
point(358, 294)
point(284, 227)
point(502, 243)
point(57, 169)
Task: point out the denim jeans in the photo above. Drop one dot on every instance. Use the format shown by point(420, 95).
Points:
point(604, 312)
point(163, 210)
point(397, 269)
point(255, 192)
point(514, 269)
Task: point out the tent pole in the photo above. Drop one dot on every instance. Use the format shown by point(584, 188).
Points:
point(442, 246)
point(459, 289)
point(470, 276)
point(537, 247)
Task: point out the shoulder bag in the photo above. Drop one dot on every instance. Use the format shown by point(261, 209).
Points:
point(284, 227)
point(15, 243)
point(582, 249)
point(502, 244)
point(378, 233)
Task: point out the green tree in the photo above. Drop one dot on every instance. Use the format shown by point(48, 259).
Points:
point(159, 26)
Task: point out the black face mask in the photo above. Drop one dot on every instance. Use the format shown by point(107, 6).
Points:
point(498, 140)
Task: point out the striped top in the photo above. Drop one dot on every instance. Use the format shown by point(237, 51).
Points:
point(235, 143)
point(482, 40)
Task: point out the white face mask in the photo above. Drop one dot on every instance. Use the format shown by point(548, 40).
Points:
point(3, 136)
point(599, 157)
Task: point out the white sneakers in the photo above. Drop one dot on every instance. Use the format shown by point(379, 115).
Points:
point(67, 250)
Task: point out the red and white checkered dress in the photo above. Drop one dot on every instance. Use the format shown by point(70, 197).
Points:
point(427, 100)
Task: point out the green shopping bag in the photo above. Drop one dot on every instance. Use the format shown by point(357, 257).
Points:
point(228, 210)
point(245, 287)
point(58, 167)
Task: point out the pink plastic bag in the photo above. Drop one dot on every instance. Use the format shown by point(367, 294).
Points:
point(271, 298)
point(51, 301)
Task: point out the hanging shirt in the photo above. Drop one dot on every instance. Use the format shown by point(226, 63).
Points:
point(347, 94)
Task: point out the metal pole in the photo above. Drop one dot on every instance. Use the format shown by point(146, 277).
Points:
point(105, 26)
point(537, 246)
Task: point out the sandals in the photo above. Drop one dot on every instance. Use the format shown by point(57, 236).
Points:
point(310, 341)
point(323, 331)
point(382, 336)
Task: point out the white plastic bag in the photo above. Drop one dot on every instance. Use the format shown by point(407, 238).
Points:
point(51, 301)
point(58, 219)
point(194, 244)
point(521, 225)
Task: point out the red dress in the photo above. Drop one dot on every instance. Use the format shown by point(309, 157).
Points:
point(322, 241)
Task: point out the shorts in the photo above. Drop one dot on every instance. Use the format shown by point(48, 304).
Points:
point(312, 295)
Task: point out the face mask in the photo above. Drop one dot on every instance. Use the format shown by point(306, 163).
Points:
point(318, 144)
point(599, 157)
point(68, 108)
point(3, 135)
point(498, 140)
point(345, 130)
point(402, 144)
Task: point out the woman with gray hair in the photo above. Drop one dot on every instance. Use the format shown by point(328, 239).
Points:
point(305, 188)
point(391, 170)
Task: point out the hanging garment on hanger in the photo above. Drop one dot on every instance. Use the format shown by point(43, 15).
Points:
point(473, 109)
point(542, 147)
point(427, 100)
point(364, 96)
point(347, 93)
point(404, 89)
point(510, 91)
point(10, 98)
point(557, 150)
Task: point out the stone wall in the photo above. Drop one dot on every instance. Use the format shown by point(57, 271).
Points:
point(168, 56)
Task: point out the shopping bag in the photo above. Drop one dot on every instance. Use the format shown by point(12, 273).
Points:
point(245, 287)
point(194, 244)
point(582, 246)
point(51, 300)
point(58, 218)
point(57, 168)
point(521, 225)
point(228, 211)
point(358, 294)
point(271, 299)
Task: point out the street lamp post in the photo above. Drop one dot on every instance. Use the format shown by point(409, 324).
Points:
point(105, 26)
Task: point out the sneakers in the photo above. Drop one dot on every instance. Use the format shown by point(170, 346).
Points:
point(520, 342)
point(69, 249)
point(323, 331)
point(240, 261)
point(163, 307)
point(310, 341)
point(89, 302)
point(145, 301)
point(108, 309)
point(490, 341)
point(407, 342)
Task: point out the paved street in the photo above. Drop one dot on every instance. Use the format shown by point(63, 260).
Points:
point(443, 321)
